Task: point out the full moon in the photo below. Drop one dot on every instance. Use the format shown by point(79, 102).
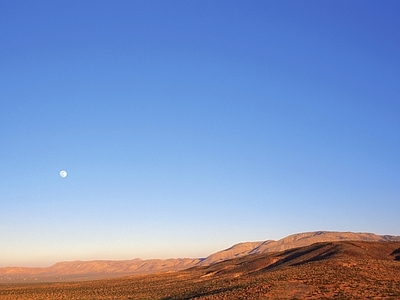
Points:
point(63, 174)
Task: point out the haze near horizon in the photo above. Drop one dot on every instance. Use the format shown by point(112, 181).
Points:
point(188, 126)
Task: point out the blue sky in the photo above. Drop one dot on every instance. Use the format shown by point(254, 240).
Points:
point(189, 126)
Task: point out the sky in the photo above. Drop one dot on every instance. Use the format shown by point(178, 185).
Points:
point(189, 126)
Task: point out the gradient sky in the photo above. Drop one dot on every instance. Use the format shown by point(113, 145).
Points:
point(188, 126)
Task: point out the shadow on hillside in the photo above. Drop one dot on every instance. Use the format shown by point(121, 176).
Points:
point(396, 254)
point(310, 254)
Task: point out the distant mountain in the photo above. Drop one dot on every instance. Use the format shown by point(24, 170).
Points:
point(84, 270)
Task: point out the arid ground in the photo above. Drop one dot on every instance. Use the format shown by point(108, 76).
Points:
point(341, 270)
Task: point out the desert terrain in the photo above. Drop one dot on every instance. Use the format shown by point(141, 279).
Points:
point(97, 269)
point(322, 270)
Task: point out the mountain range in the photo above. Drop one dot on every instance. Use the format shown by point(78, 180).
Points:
point(85, 270)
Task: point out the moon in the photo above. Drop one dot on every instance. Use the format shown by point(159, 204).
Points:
point(63, 173)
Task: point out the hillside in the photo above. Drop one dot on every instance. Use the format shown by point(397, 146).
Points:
point(293, 241)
